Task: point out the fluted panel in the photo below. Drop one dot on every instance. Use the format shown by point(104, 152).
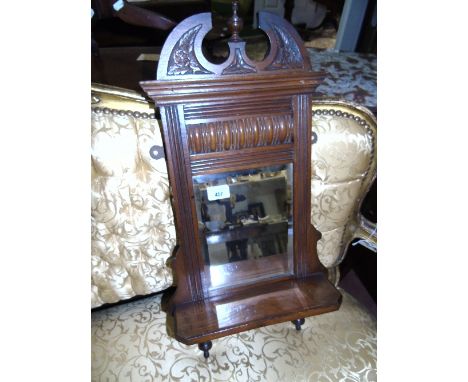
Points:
point(240, 134)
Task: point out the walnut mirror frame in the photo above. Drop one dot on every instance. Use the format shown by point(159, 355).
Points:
point(223, 123)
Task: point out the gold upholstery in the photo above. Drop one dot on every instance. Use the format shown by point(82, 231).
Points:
point(344, 160)
point(130, 343)
point(132, 223)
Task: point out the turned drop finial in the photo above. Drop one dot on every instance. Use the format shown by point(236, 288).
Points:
point(235, 23)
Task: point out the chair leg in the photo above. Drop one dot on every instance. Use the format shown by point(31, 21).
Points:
point(299, 322)
point(205, 347)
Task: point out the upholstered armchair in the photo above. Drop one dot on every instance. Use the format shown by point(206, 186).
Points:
point(133, 236)
point(344, 160)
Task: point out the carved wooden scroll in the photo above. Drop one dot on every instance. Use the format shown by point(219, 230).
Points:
point(182, 54)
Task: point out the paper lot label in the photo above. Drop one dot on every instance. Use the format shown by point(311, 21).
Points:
point(218, 192)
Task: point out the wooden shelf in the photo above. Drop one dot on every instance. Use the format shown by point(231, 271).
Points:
point(205, 320)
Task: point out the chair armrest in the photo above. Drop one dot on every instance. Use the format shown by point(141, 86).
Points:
point(367, 232)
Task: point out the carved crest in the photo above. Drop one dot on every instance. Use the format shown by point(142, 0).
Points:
point(182, 53)
point(183, 59)
point(288, 55)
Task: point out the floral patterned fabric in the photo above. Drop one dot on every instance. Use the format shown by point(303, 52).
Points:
point(343, 167)
point(132, 222)
point(348, 76)
point(130, 343)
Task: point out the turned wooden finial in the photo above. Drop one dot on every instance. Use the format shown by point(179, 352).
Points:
point(235, 23)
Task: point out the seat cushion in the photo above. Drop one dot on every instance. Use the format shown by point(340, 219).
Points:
point(130, 343)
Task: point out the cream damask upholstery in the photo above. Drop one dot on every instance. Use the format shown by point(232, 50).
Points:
point(130, 343)
point(131, 218)
point(132, 223)
point(344, 163)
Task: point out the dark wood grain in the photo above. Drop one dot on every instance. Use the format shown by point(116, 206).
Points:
point(240, 133)
point(253, 270)
point(239, 115)
point(283, 301)
point(241, 159)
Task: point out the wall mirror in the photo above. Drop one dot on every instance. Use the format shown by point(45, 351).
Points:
point(238, 141)
point(245, 224)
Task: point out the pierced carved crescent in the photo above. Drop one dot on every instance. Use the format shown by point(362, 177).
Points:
point(182, 53)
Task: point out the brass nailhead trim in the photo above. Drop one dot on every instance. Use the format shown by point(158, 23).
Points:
point(135, 114)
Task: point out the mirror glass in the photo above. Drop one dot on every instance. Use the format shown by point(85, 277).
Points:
point(245, 222)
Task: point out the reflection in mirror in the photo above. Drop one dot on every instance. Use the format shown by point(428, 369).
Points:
point(245, 224)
